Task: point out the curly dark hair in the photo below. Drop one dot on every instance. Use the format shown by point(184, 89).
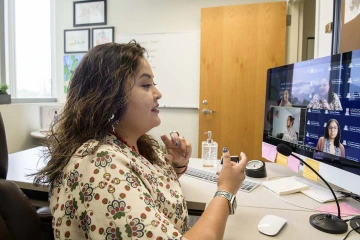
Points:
point(99, 91)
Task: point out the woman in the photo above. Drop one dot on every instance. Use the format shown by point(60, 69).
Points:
point(325, 99)
point(108, 178)
point(285, 100)
point(330, 142)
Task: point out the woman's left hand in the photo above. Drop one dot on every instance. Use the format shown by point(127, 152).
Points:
point(178, 149)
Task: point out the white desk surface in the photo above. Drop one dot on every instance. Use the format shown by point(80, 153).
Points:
point(251, 206)
point(23, 163)
point(196, 190)
point(243, 226)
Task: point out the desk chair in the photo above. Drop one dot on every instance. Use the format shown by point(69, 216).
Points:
point(18, 218)
point(20, 201)
point(4, 157)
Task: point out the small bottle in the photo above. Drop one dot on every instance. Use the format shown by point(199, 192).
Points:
point(209, 151)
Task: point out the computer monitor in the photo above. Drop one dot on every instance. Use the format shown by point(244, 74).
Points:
point(314, 108)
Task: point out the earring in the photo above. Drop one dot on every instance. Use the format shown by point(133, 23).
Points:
point(114, 123)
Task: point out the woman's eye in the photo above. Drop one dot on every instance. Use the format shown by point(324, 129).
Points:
point(149, 85)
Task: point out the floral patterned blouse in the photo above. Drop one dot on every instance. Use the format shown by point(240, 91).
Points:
point(290, 136)
point(316, 103)
point(115, 193)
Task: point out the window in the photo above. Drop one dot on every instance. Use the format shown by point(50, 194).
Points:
point(2, 44)
point(28, 39)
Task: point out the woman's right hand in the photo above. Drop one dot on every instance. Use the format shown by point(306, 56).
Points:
point(325, 104)
point(232, 174)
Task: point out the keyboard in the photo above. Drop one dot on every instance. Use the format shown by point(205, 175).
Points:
point(247, 186)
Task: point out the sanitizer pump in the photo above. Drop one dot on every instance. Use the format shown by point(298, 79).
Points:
point(209, 151)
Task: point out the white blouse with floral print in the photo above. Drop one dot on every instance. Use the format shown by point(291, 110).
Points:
point(115, 193)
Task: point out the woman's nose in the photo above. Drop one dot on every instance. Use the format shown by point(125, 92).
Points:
point(157, 93)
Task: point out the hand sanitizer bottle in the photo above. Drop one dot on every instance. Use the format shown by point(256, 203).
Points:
point(209, 151)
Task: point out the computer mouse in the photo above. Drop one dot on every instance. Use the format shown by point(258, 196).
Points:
point(271, 224)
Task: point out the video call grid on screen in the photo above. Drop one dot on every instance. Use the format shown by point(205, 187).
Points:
point(334, 79)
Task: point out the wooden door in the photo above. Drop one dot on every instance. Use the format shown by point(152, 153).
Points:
point(238, 45)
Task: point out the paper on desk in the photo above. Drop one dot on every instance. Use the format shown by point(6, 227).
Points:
point(307, 171)
point(269, 152)
point(293, 164)
point(345, 209)
point(282, 159)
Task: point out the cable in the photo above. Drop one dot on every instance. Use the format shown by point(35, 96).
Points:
point(310, 209)
point(350, 232)
point(354, 218)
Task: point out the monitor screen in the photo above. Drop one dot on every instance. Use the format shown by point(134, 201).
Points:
point(314, 107)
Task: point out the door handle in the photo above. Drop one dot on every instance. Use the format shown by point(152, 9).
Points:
point(207, 111)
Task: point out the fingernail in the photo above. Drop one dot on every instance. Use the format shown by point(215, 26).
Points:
point(177, 143)
point(225, 150)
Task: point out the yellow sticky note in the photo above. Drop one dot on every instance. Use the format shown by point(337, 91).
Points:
point(282, 159)
point(307, 171)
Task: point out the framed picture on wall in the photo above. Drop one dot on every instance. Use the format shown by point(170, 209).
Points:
point(87, 13)
point(77, 40)
point(102, 35)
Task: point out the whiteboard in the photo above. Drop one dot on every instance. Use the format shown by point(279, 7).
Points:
point(175, 61)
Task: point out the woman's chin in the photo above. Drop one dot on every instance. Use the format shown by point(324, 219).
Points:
point(324, 95)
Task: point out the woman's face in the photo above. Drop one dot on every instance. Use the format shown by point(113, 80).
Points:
point(324, 87)
point(333, 130)
point(142, 111)
point(286, 95)
point(288, 122)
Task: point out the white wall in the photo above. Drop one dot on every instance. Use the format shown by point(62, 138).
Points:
point(323, 16)
point(20, 120)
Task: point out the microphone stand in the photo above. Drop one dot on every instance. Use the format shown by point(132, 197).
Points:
point(325, 222)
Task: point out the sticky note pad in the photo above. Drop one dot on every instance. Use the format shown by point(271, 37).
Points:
point(269, 152)
point(282, 159)
point(345, 209)
point(293, 164)
point(307, 171)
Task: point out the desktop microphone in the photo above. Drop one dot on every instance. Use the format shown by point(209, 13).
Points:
point(328, 223)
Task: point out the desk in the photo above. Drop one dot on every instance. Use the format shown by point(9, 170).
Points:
point(197, 190)
point(251, 206)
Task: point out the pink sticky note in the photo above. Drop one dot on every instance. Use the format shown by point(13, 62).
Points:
point(345, 209)
point(293, 164)
point(269, 152)
point(265, 149)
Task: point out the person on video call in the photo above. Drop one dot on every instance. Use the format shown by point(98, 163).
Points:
point(108, 178)
point(285, 99)
point(330, 142)
point(325, 98)
point(289, 134)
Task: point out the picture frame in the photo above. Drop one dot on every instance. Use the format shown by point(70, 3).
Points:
point(88, 13)
point(102, 35)
point(77, 40)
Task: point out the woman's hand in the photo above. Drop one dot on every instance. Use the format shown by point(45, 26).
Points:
point(325, 104)
point(232, 174)
point(178, 149)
